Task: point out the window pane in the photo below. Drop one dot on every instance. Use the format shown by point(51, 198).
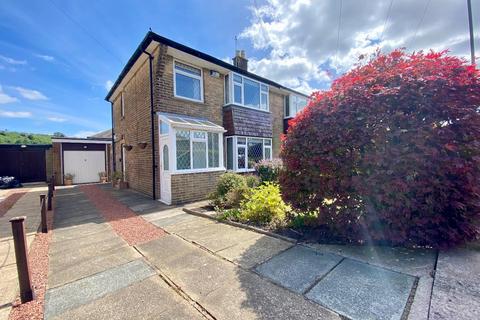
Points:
point(199, 154)
point(264, 88)
point(241, 158)
point(237, 93)
point(227, 90)
point(268, 153)
point(187, 87)
point(199, 135)
point(251, 93)
point(264, 101)
point(241, 140)
point(230, 154)
point(188, 69)
point(255, 151)
point(165, 158)
point(237, 78)
point(183, 149)
point(267, 142)
point(213, 150)
point(163, 127)
point(287, 106)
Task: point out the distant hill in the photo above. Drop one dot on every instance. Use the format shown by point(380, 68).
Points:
point(12, 137)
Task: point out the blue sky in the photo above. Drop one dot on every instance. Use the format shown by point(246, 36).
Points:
point(42, 49)
point(57, 57)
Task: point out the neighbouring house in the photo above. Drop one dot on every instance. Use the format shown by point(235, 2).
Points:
point(181, 118)
point(84, 158)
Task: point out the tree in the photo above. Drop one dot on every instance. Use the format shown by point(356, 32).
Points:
point(391, 152)
point(58, 135)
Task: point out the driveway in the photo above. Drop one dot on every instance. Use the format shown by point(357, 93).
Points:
point(117, 254)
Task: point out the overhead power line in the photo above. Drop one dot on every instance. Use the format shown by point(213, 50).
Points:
point(386, 20)
point(338, 28)
point(421, 21)
point(69, 17)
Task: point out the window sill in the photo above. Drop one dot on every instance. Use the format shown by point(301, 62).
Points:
point(189, 100)
point(242, 106)
point(197, 171)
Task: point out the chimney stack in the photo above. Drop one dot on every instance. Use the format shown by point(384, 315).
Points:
point(240, 61)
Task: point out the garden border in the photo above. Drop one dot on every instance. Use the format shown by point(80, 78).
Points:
point(240, 225)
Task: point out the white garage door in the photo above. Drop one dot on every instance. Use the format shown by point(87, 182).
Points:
point(85, 165)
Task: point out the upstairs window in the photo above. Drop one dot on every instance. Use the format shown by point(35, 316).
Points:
point(246, 92)
point(294, 104)
point(188, 82)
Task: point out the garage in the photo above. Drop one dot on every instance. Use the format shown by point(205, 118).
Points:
point(27, 163)
point(82, 158)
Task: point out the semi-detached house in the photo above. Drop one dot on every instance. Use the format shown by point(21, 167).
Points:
point(181, 118)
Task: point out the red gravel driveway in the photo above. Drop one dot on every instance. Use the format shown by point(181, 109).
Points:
point(132, 228)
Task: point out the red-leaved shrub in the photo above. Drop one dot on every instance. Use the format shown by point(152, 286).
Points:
point(391, 153)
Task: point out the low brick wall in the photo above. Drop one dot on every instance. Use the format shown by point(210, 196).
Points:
point(193, 186)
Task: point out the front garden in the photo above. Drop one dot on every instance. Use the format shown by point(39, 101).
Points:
point(389, 155)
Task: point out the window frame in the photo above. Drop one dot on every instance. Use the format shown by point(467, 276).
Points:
point(236, 146)
point(193, 139)
point(231, 95)
point(200, 77)
point(292, 100)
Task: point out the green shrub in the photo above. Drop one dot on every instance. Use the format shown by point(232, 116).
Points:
point(229, 190)
point(252, 181)
point(264, 205)
point(230, 214)
point(269, 170)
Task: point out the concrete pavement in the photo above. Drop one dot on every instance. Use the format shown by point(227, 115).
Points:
point(206, 269)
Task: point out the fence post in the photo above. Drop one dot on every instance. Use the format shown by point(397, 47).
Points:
point(23, 269)
point(43, 213)
point(49, 197)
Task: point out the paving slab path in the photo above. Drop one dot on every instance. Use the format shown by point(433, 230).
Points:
point(95, 274)
point(180, 266)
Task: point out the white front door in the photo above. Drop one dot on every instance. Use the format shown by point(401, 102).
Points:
point(84, 165)
point(165, 167)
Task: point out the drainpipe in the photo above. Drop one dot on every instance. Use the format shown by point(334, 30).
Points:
point(113, 144)
point(152, 127)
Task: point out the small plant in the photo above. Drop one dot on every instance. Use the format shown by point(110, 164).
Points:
point(269, 170)
point(252, 181)
point(69, 176)
point(230, 214)
point(117, 175)
point(264, 205)
point(228, 192)
point(102, 174)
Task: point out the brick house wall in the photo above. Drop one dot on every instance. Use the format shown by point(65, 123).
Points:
point(276, 108)
point(135, 127)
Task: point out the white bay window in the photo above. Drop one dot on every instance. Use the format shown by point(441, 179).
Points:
point(196, 144)
point(243, 152)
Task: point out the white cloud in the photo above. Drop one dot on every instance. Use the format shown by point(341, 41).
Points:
point(56, 119)
point(45, 57)
point(15, 114)
point(84, 134)
point(5, 98)
point(31, 94)
point(300, 36)
point(11, 60)
point(108, 85)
